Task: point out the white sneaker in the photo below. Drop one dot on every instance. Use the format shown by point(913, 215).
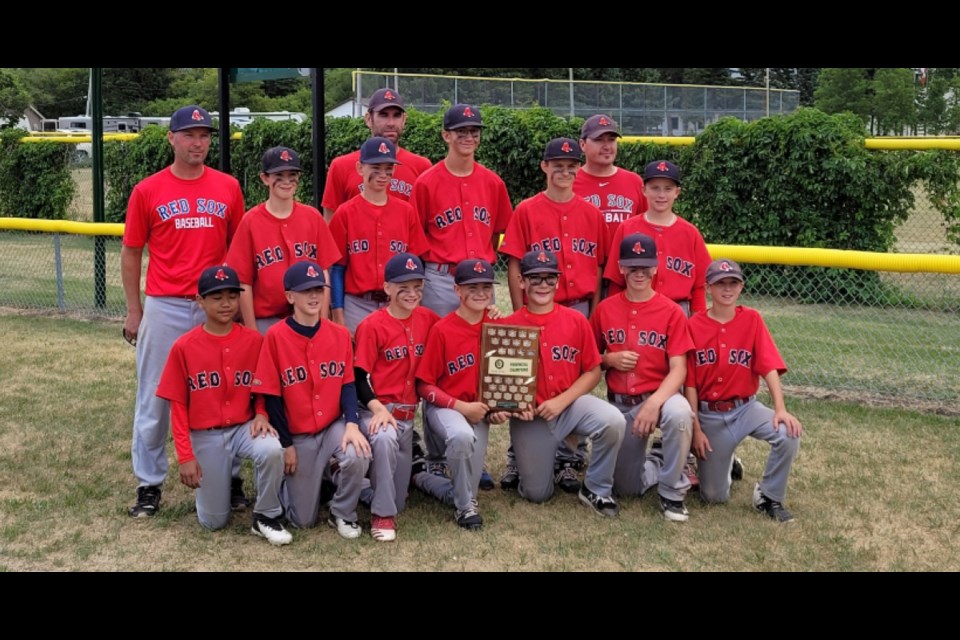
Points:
point(345, 528)
point(271, 529)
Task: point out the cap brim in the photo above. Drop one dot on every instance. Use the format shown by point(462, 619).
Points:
point(283, 168)
point(724, 276)
point(222, 287)
point(463, 125)
point(596, 134)
point(639, 262)
point(309, 285)
point(477, 281)
point(574, 158)
point(536, 270)
point(387, 105)
point(195, 126)
point(407, 277)
point(380, 161)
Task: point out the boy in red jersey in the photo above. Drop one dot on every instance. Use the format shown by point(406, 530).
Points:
point(682, 255)
point(306, 373)
point(616, 191)
point(733, 350)
point(186, 215)
point(207, 380)
point(568, 370)
point(368, 230)
point(390, 344)
point(272, 236)
point(463, 207)
point(448, 378)
point(644, 341)
point(386, 118)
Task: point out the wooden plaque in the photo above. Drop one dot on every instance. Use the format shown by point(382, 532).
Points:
point(509, 356)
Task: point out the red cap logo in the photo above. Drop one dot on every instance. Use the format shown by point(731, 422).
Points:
point(196, 115)
point(603, 121)
point(221, 276)
point(638, 248)
point(566, 147)
point(543, 257)
point(725, 266)
point(383, 148)
point(479, 268)
point(312, 273)
point(468, 113)
point(410, 265)
point(285, 156)
point(388, 95)
point(663, 167)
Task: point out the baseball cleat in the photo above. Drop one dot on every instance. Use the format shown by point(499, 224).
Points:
point(674, 510)
point(736, 470)
point(271, 529)
point(510, 480)
point(470, 518)
point(605, 506)
point(486, 482)
point(566, 478)
point(148, 503)
point(346, 529)
point(770, 508)
point(383, 529)
point(238, 500)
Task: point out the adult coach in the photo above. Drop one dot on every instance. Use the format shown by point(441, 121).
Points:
point(463, 206)
point(186, 215)
point(386, 118)
point(617, 192)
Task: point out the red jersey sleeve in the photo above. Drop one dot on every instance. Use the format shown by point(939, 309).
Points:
point(338, 235)
point(240, 253)
point(333, 192)
point(236, 211)
point(680, 342)
point(515, 240)
point(417, 240)
point(766, 355)
point(136, 230)
point(180, 428)
point(267, 379)
point(504, 209)
point(430, 368)
point(328, 251)
point(612, 269)
point(590, 355)
point(698, 295)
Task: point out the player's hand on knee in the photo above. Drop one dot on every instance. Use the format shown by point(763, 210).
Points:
point(474, 412)
point(550, 409)
point(787, 419)
point(261, 428)
point(352, 435)
point(289, 461)
point(191, 474)
point(380, 420)
point(647, 419)
point(700, 445)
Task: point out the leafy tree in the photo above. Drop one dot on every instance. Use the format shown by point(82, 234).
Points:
point(844, 89)
point(56, 91)
point(13, 99)
point(893, 105)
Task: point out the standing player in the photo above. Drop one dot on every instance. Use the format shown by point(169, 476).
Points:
point(207, 380)
point(644, 341)
point(186, 214)
point(385, 118)
point(733, 350)
point(369, 230)
point(272, 236)
point(463, 207)
point(681, 253)
point(557, 220)
point(390, 344)
point(617, 192)
point(568, 370)
point(306, 373)
point(448, 378)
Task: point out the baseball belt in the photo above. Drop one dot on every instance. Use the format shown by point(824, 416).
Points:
point(573, 303)
point(375, 296)
point(627, 400)
point(403, 411)
point(725, 406)
point(441, 268)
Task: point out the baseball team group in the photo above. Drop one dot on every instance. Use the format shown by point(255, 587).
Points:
point(306, 341)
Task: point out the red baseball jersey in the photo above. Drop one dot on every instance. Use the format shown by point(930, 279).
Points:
point(368, 235)
point(308, 373)
point(344, 182)
point(265, 246)
point(461, 215)
point(573, 230)
point(682, 260)
point(729, 359)
point(618, 197)
point(212, 376)
point(390, 350)
point(655, 329)
point(451, 359)
point(187, 225)
point(567, 348)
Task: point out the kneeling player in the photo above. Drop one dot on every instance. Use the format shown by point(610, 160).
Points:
point(733, 349)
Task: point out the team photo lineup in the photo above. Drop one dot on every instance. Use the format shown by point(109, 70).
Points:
point(308, 340)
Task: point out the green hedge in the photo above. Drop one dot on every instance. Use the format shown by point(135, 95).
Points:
point(35, 180)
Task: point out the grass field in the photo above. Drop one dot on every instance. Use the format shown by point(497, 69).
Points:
point(872, 489)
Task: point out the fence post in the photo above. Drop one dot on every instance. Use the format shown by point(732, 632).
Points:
point(99, 248)
point(58, 262)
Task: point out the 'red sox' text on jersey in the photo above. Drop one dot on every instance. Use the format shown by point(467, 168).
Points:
point(308, 373)
point(728, 359)
point(655, 329)
point(461, 215)
point(187, 224)
point(390, 350)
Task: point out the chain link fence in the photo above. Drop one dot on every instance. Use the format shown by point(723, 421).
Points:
point(642, 109)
